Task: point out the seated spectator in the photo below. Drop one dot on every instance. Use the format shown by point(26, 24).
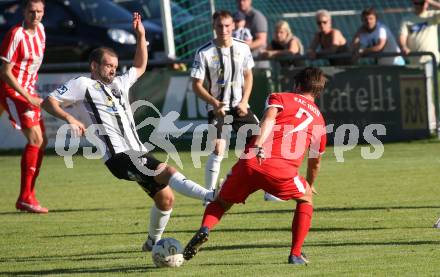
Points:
point(375, 37)
point(329, 40)
point(240, 31)
point(418, 31)
point(284, 44)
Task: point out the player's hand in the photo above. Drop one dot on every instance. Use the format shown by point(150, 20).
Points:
point(242, 109)
point(138, 27)
point(35, 100)
point(77, 127)
point(260, 154)
point(219, 109)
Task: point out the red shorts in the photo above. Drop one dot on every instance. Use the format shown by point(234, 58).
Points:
point(243, 180)
point(22, 114)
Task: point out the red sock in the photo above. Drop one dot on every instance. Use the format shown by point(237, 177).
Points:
point(28, 168)
point(37, 172)
point(300, 226)
point(213, 213)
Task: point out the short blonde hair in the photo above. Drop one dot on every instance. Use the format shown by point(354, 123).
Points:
point(324, 13)
point(282, 24)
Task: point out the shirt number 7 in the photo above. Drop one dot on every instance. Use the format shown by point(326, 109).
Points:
point(303, 124)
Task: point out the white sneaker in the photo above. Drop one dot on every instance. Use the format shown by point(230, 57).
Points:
point(148, 245)
point(270, 197)
point(437, 224)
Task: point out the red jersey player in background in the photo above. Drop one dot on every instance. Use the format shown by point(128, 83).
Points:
point(21, 53)
point(291, 126)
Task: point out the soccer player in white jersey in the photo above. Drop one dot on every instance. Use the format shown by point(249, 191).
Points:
point(102, 101)
point(21, 54)
point(226, 63)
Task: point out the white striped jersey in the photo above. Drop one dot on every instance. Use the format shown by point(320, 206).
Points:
point(223, 69)
point(25, 52)
point(107, 106)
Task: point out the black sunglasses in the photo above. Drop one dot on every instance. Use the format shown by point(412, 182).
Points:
point(321, 22)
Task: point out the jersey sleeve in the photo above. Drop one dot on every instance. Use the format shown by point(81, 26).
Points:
point(318, 140)
point(275, 100)
point(261, 25)
point(198, 68)
point(403, 31)
point(70, 92)
point(128, 79)
point(248, 62)
point(10, 46)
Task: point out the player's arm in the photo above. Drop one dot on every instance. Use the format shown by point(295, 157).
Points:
point(313, 166)
point(434, 4)
point(53, 106)
point(7, 77)
point(141, 54)
point(242, 108)
point(200, 91)
point(266, 126)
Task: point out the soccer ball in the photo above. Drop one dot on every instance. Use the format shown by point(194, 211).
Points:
point(167, 252)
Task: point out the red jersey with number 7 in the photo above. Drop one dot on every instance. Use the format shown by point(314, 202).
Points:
point(299, 128)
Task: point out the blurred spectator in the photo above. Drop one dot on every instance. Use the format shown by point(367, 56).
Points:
point(284, 44)
point(375, 37)
point(418, 32)
point(257, 23)
point(240, 31)
point(328, 39)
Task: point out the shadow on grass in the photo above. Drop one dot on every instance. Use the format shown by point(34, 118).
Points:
point(57, 211)
point(75, 271)
point(329, 244)
point(340, 209)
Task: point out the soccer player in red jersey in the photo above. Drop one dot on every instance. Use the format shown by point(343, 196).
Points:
point(291, 126)
point(21, 54)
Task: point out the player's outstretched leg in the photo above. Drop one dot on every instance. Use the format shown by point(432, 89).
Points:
point(200, 237)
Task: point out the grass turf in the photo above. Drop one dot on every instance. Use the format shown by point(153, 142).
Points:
point(372, 217)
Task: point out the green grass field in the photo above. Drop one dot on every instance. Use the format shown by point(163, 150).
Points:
point(372, 218)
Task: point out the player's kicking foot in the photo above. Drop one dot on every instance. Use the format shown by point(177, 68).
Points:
point(31, 208)
point(298, 260)
point(148, 244)
point(194, 244)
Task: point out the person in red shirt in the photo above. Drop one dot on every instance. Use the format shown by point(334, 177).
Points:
point(21, 54)
point(291, 126)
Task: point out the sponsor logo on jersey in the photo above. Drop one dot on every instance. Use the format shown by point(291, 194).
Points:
point(62, 89)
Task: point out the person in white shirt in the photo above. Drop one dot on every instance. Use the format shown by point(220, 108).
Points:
point(102, 102)
point(226, 63)
point(375, 37)
point(240, 31)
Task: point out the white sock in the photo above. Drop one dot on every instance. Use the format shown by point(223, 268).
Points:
point(158, 222)
point(212, 170)
point(179, 183)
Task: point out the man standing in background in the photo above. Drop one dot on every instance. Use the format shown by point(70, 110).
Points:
point(21, 53)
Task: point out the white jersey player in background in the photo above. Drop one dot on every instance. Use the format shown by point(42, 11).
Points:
point(103, 101)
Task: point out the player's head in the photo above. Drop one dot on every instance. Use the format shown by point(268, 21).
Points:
point(369, 18)
point(33, 12)
point(223, 24)
point(310, 80)
point(420, 6)
point(103, 63)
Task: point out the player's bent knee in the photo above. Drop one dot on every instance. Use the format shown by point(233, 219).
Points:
point(225, 205)
point(165, 173)
point(164, 199)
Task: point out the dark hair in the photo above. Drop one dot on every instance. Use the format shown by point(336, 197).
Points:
point(97, 54)
point(221, 14)
point(25, 3)
point(369, 11)
point(310, 80)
